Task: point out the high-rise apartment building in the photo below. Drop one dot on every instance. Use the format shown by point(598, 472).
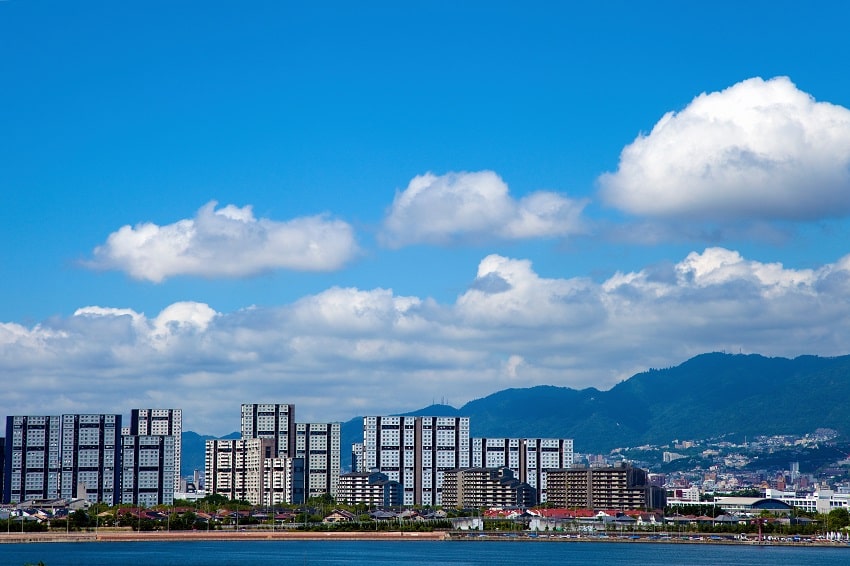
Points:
point(147, 469)
point(32, 455)
point(91, 458)
point(416, 451)
point(284, 481)
point(357, 456)
point(318, 445)
point(2, 467)
point(161, 422)
point(236, 469)
point(528, 458)
point(275, 421)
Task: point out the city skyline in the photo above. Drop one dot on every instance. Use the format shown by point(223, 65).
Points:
point(362, 209)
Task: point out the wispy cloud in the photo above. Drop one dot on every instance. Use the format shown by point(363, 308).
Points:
point(758, 150)
point(473, 207)
point(227, 242)
point(348, 351)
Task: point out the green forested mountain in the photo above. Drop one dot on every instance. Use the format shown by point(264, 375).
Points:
point(708, 396)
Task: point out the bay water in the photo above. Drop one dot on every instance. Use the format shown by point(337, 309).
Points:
point(431, 553)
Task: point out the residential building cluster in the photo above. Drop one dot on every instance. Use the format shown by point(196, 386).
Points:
point(402, 460)
point(93, 457)
point(420, 452)
point(277, 460)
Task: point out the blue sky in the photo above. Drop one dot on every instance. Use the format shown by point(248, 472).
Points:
point(363, 207)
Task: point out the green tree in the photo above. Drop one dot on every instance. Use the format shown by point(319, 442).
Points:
point(838, 518)
point(79, 519)
point(214, 500)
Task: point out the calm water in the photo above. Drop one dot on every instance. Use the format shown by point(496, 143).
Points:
point(433, 553)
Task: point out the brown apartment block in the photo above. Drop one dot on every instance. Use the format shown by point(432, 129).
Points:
point(620, 487)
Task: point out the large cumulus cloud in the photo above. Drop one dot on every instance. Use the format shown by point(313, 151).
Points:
point(468, 207)
point(758, 150)
point(227, 242)
point(349, 351)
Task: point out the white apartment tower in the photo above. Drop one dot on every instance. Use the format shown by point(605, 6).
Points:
point(528, 458)
point(161, 422)
point(236, 469)
point(271, 420)
point(284, 481)
point(415, 451)
point(32, 458)
point(91, 458)
point(147, 464)
point(318, 445)
point(357, 457)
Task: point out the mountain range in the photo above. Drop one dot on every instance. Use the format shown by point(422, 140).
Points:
point(709, 396)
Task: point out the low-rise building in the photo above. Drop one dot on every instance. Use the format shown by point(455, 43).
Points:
point(620, 487)
point(822, 501)
point(486, 487)
point(752, 505)
point(374, 489)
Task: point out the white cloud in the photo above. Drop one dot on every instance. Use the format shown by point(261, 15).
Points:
point(759, 150)
point(349, 351)
point(228, 242)
point(508, 291)
point(462, 207)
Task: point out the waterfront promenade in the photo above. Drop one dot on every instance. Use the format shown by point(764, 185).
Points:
point(201, 535)
point(469, 536)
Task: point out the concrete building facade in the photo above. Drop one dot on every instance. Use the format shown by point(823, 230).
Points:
point(161, 422)
point(357, 457)
point(318, 445)
point(621, 487)
point(528, 458)
point(236, 468)
point(284, 481)
point(271, 420)
point(374, 489)
point(416, 451)
point(32, 458)
point(474, 488)
point(91, 458)
point(147, 469)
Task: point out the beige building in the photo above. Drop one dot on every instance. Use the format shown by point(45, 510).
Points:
point(374, 489)
point(621, 487)
point(485, 487)
point(284, 481)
